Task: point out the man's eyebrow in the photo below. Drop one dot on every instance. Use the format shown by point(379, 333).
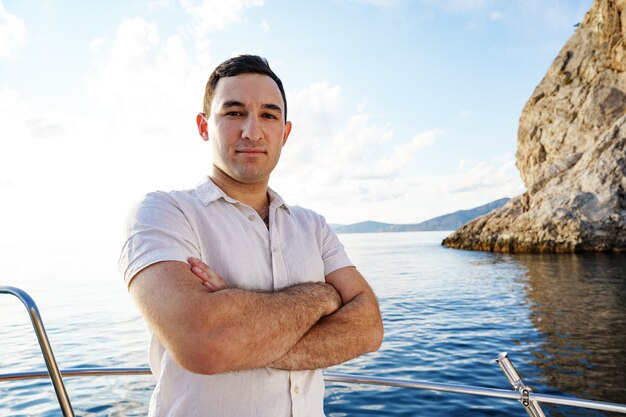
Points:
point(232, 103)
point(271, 106)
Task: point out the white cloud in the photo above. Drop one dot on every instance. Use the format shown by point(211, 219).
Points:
point(125, 63)
point(150, 84)
point(6, 182)
point(457, 6)
point(265, 27)
point(158, 4)
point(411, 199)
point(212, 15)
point(14, 138)
point(403, 154)
point(498, 174)
point(46, 128)
point(356, 149)
point(313, 112)
point(464, 5)
point(381, 4)
point(323, 142)
point(495, 15)
point(137, 135)
point(82, 168)
point(37, 169)
point(13, 33)
point(153, 82)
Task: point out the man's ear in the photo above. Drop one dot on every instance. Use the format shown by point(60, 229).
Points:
point(287, 132)
point(203, 126)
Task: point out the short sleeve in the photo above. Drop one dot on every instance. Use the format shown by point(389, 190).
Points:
point(333, 253)
point(156, 230)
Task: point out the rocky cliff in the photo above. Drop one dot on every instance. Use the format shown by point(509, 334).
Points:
point(571, 151)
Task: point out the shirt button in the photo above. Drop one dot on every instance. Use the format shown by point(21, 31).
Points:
point(251, 217)
point(296, 390)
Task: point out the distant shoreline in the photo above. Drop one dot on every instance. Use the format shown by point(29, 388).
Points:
point(447, 222)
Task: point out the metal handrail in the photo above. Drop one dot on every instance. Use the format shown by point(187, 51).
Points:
point(358, 379)
point(531, 406)
point(44, 344)
point(521, 393)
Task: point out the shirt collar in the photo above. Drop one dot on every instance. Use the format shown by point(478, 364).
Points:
point(208, 192)
point(277, 201)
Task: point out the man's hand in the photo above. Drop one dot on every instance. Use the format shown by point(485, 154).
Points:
point(214, 282)
point(209, 278)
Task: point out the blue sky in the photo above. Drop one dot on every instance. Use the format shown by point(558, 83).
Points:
point(402, 110)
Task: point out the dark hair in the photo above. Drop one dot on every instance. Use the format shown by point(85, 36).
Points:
point(242, 64)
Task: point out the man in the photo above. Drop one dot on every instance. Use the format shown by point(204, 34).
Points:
point(247, 298)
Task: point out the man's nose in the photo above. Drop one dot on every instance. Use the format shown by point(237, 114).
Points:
point(252, 129)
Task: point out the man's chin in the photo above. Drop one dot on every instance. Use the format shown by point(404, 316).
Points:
point(251, 177)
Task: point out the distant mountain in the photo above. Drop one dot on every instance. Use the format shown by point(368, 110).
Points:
point(450, 221)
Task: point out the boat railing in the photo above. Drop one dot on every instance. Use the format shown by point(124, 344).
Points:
point(521, 392)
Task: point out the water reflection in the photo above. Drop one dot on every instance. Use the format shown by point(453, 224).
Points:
point(578, 303)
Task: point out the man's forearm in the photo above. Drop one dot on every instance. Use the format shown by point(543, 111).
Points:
point(351, 331)
point(227, 330)
point(262, 327)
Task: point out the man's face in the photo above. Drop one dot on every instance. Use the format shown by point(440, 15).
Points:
point(246, 127)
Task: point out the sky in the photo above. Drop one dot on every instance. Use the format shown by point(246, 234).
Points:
point(402, 110)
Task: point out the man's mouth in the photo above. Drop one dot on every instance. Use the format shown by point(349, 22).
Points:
point(251, 150)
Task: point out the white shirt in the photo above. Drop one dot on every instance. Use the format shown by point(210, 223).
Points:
point(233, 240)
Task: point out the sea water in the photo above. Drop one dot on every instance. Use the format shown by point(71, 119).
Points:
point(447, 315)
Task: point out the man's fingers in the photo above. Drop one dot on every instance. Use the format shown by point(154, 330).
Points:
point(210, 286)
point(210, 279)
point(200, 273)
point(197, 262)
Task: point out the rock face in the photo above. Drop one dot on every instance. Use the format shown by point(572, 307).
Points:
point(571, 151)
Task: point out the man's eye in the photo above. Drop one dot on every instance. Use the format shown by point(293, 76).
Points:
point(269, 116)
point(234, 113)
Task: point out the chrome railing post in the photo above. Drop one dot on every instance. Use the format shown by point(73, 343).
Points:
point(530, 405)
point(46, 349)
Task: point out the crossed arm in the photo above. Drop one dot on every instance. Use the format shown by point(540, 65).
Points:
point(209, 328)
